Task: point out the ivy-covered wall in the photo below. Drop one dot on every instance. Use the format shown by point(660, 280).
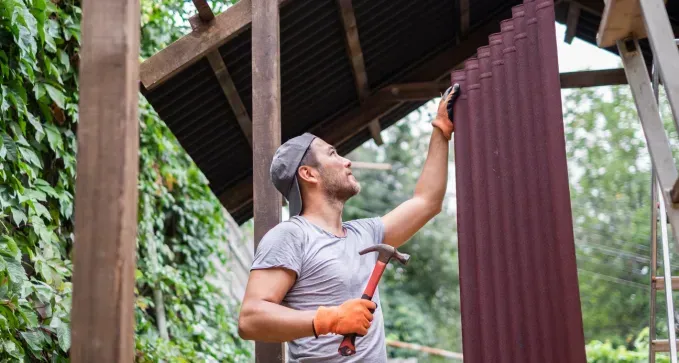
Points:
point(180, 221)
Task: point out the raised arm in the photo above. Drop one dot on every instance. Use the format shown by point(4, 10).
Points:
point(401, 223)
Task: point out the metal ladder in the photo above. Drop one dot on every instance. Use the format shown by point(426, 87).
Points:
point(665, 181)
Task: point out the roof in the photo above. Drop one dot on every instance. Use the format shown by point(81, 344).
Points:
point(401, 41)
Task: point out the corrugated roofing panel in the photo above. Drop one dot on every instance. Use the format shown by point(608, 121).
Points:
point(518, 277)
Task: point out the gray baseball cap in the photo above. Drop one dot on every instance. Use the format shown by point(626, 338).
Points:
point(284, 167)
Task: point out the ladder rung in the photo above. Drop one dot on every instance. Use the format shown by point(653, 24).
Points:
point(661, 345)
point(660, 283)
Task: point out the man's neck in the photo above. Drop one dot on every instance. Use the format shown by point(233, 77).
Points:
point(326, 214)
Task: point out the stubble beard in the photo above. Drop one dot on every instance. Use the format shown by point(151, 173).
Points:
point(339, 189)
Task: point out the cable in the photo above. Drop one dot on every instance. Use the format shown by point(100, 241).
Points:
point(615, 279)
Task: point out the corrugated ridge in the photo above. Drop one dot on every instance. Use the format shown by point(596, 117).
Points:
point(518, 277)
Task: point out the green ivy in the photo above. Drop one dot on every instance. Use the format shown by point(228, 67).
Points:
point(181, 223)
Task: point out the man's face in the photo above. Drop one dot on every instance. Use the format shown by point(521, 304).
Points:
point(336, 178)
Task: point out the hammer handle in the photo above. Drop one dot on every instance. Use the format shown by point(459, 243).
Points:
point(348, 345)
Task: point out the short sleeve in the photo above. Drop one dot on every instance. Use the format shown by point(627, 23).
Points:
point(373, 226)
point(281, 247)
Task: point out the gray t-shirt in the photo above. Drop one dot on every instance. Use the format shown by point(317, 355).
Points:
point(329, 272)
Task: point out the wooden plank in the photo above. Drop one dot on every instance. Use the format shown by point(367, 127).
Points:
point(659, 283)
point(353, 45)
point(231, 93)
point(621, 19)
point(424, 349)
point(661, 345)
point(370, 166)
point(596, 78)
point(204, 11)
point(102, 317)
point(572, 22)
point(375, 130)
point(195, 45)
point(464, 18)
point(266, 138)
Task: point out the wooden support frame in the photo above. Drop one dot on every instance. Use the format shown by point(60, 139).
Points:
point(464, 18)
point(231, 93)
point(355, 55)
point(189, 49)
point(572, 22)
point(620, 19)
point(266, 138)
point(102, 317)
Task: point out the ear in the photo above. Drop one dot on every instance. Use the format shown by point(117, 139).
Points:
point(308, 174)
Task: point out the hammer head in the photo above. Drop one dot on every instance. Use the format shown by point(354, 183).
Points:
point(387, 252)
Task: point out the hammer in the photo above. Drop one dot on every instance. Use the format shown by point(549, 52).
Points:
point(386, 253)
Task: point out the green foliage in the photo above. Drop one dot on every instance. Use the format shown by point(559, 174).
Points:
point(181, 224)
point(606, 352)
point(38, 41)
point(610, 179)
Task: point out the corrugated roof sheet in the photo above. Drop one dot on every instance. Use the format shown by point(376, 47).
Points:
point(518, 275)
point(317, 84)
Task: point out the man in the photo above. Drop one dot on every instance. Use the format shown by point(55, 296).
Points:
point(307, 277)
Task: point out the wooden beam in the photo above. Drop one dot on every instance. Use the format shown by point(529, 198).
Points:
point(620, 19)
point(375, 130)
point(415, 91)
point(231, 93)
point(204, 11)
point(596, 78)
point(464, 18)
point(353, 45)
point(194, 46)
point(572, 22)
point(266, 138)
point(424, 349)
point(102, 318)
point(355, 55)
point(370, 166)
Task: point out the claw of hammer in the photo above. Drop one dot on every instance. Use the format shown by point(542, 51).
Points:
point(386, 252)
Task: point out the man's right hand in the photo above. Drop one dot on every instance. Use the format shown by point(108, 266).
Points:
point(353, 316)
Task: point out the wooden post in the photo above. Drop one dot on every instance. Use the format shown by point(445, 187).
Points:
point(266, 133)
point(106, 185)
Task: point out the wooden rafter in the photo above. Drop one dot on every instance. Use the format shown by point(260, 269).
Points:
point(194, 46)
point(231, 93)
point(355, 55)
point(464, 18)
point(572, 22)
point(204, 12)
point(375, 106)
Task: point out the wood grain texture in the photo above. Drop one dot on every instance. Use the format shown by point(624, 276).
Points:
point(266, 138)
point(572, 22)
point(194, 46)
point(620, 19)
point(231, 93)
point(354, 51)
point(204, 11)
point(106, 184)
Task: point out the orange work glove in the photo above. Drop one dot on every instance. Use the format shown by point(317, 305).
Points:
point(444, 114)
point(353, 316)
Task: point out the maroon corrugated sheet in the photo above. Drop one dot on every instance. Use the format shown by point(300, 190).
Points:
point(518, 276)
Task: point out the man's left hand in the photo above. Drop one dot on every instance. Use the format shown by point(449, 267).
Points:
point(444, 113)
